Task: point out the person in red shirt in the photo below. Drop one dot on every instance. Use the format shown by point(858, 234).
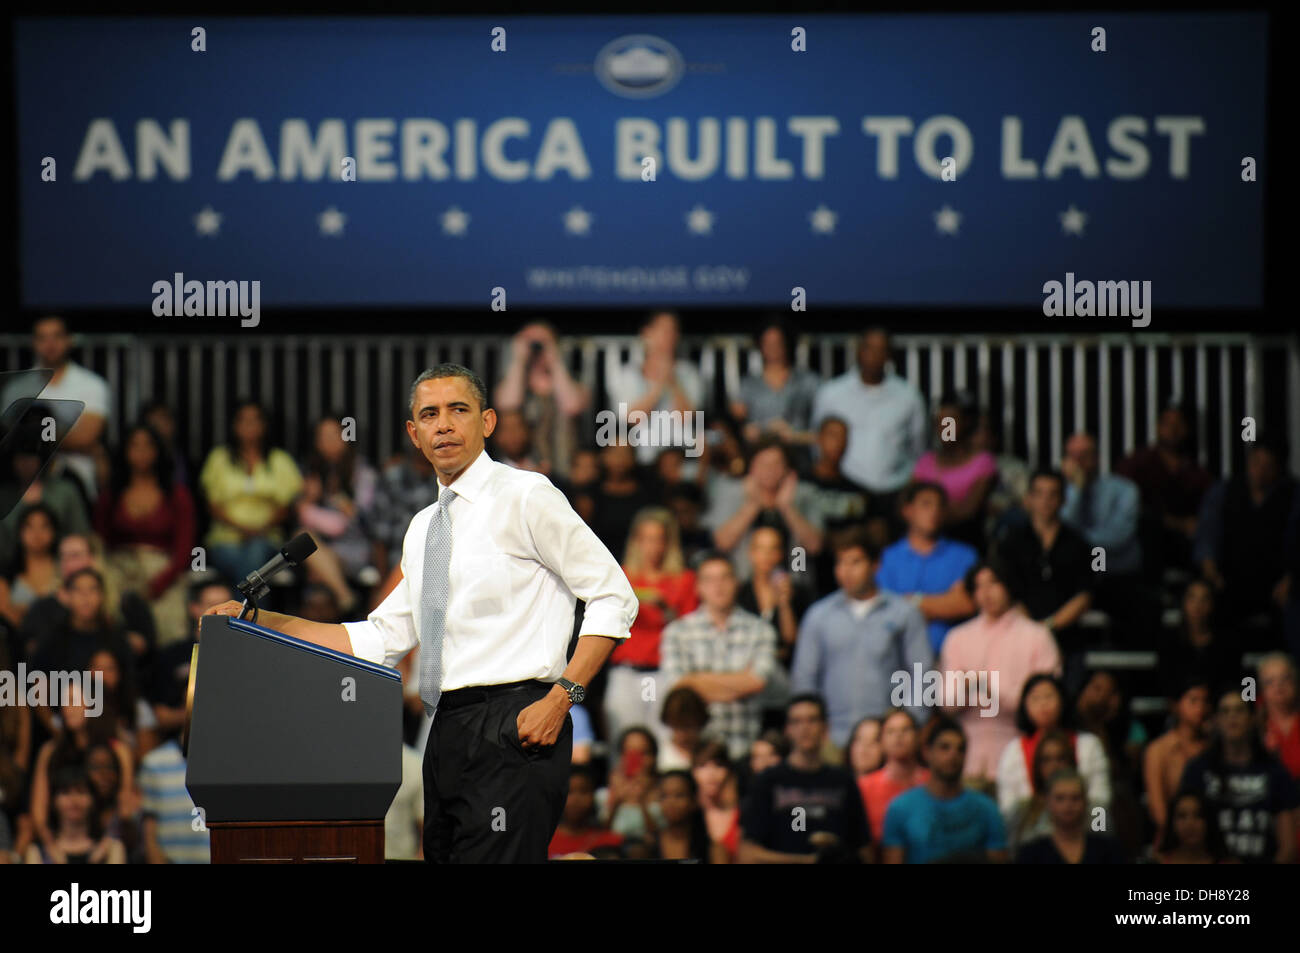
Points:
point(901, 772)
point(579, 831)
point(147, 522)
point(666, 589)
point(1277, 681)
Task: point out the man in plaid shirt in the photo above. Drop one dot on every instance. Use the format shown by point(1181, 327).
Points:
point(722, 652)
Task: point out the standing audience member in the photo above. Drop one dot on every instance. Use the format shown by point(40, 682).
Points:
point(538, 385)
point(1070, 842)
point(966, 473)
point(1167, 756)
point(1192, 835)
point(901, 743)
point(660, 381)
point(779, 399)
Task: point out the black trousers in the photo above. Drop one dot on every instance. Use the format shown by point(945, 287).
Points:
point(487, 800)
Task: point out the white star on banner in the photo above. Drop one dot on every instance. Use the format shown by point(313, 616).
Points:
point(823, 220)
point(577, 221)
point(454, 221)
point(699, 221)
point(947, 220)
point(207, 222)
point(1072, 221)
point(331, 222)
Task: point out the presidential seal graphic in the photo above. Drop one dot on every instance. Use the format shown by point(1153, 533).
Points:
point(639, 66)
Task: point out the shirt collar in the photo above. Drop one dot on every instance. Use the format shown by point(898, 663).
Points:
point(473, 478)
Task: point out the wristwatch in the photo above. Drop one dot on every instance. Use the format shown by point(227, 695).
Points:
point(576, 692)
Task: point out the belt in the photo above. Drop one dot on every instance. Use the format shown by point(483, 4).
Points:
point(473, 694)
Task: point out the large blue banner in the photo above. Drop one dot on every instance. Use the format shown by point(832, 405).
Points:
point(891, 160)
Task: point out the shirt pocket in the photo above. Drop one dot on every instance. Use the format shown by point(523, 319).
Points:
point(486, 580)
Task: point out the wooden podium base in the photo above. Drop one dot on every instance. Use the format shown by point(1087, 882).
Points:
point(297, 842)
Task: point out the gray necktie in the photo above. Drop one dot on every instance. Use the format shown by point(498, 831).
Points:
point(437, 558)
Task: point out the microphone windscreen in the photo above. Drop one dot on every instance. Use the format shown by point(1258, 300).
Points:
point(299, 548)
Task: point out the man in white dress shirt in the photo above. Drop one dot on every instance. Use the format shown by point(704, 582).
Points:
point(490, 573)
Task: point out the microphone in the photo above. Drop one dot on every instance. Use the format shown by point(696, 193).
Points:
point(255, 585)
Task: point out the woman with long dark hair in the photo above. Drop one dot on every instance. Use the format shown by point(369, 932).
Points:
point(35, 573)
point(147, 522)
point(248, 483)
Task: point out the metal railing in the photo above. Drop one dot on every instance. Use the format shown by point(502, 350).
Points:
point(1037, 389)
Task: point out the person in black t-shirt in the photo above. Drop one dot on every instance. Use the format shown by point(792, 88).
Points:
point(1247, 788)
point(1071, 841)
point(804, 810)
point(170, 679)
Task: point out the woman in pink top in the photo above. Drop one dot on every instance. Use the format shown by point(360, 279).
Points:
point(902, 770)
point(992, 656)
point(967, 474)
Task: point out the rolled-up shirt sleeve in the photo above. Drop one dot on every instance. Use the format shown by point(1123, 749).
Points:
point(388, 633)
point(568, 547)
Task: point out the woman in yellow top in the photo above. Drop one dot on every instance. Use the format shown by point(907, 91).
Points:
point(249, 487)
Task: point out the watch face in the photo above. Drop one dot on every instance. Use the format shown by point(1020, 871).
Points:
point(577, 694)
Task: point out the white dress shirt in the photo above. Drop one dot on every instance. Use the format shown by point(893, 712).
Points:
point(887, 427)
point(520, 557)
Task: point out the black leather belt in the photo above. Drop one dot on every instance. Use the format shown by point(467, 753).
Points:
point(473, 694)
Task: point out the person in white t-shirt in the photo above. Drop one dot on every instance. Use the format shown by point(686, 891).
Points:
point(80, 428)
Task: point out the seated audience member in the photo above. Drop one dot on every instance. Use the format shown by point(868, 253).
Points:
point(131, 721)
point(1000, 649)
point(887, 422)
point(1192, 835)
point(1241, 534)
point(621, 493)
point(834, 827)
point(666, 591)
point(853, 641)
point(684, 715)
point(84, 630)
point(1281, 720)
point(1102, 709)
point(537, 384)
point(116, 812)
point(1049, 564)
point(79, 732)
point(580, 830)
point(768, 750)
point(779, 399)
point(1167, 756)
point(660, 381)
point(1199, 646)
point(28, 482)
point(941, 820)
point(148, 524)
point(1246, 787)
point(719, 797)
point(248, 484)
point(35, 572)
point(512, 442)
point(167, 813)
point(627, 805)
point(15, 747)
point(686, 502)
point(1004, 505)
point(966, 473)
point(864, 753)
point(1042, 710)
point(772, 592)
point(406, 486)
point(927, 568)
point(1103, 508)
point(724, 654)
point(75, 833)
point(169, 679)
point(338, 494)
point(839, 502)
point(770, 495)
point(1028, 818)
point(683, 834)
point(902, 771)
point(1071, 841)
point(125, 609)
point(1171, 483)
point(159, 415)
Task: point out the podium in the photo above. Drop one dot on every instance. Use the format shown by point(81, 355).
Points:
point(294, 751)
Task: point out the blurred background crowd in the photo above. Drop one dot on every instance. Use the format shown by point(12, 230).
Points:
point(821, 536)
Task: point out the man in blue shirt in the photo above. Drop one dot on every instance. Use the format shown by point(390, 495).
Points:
point(852, 642)
point(942, 821)
point(927, 569)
